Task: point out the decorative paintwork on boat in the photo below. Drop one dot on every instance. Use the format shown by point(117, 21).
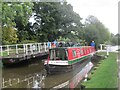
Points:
point(64, 57)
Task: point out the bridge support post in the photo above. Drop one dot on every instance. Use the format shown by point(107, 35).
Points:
point(39, 47)
point(100, 46)
point(36, 47)
point(31, 48)
point(8, 53)
point(16, 49)
point(26, 49)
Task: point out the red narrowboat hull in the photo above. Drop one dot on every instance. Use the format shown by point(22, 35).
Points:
point(74, 57)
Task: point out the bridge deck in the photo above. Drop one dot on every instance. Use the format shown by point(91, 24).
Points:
point(15, 53)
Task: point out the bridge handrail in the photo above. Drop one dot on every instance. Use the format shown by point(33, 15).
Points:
point(26, 48)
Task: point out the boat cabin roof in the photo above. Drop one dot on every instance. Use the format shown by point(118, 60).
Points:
point(69, 47)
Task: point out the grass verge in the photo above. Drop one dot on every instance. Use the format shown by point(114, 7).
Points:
point(106, 74)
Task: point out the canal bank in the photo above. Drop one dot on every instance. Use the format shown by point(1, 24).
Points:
point(104, 74)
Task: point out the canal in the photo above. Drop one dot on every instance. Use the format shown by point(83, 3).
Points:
point(33, 75)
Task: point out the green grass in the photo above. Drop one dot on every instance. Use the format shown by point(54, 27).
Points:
point(5, 53)
point(102, 53)
point(105, 76)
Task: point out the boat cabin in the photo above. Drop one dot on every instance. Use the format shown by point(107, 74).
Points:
point(69, 53)
point(64, 58)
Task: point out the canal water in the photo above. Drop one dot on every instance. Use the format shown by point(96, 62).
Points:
point(33, 75)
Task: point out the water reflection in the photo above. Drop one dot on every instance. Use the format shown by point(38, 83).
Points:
point(72, 83)
point(33, 75)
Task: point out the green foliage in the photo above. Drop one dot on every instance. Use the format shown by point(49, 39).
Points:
point(115, 39)
point(54, 20)
point(0, 35)
point(64, 39)
point(8, 15)
point(27, 41)
point(95, 30)
point(0, 13)
point(16, 14)
point(9, 35)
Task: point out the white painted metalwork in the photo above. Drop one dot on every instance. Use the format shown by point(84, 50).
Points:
point(25, 49)
point(8, 50)
point(1, 51)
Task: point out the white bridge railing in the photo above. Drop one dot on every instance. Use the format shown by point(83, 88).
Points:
point(108, 48)
point(26, 49)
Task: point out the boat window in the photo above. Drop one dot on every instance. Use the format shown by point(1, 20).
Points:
point(58, 54)
point(74, 53)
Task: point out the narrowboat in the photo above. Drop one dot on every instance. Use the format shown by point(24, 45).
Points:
point(62, 59)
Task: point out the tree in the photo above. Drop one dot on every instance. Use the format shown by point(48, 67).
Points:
point(9, 35)
point(0, 35)
point(16, 15)
point(115, 39)
point(95, 30)
point(91, 20)
point(44, 24)
point(54, 20)
point(8, 14)
point(24, 12)
point(70, 22)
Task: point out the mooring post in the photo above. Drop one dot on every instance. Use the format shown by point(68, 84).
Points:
point(107, 49)
point(16, 49)
point(1, 51)
point(86, 75)
point(8, 53)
